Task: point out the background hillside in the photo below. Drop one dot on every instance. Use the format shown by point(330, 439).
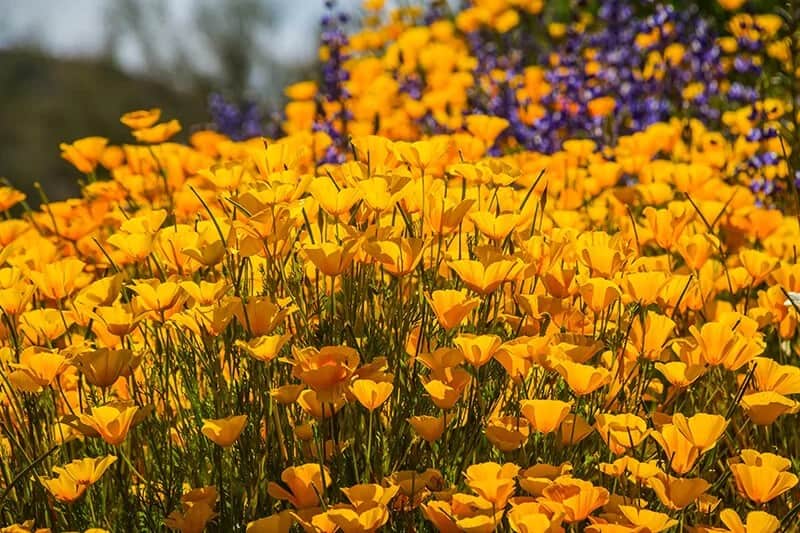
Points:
point(46, 101)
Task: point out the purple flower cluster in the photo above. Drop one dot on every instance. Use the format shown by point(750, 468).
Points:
point(332, 90)
point(501, 98)
point(237, 121)
point(761, 185)
point(745, 70)
point(641, 100)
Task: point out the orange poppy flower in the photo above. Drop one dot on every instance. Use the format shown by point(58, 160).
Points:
point(37, 368)
point(86, 471)
point(769, 375)
point(680, 452)
point(310, 402)
point(576, 498)
point(120, 319)
point(495, 227)
point(332, 199)
point(275, 523)
point(326, 370)
point(643, 287)
point(368, 494)
point(85, 153)
point(354, 521)
point(192, 518)
point(9, 197)
point(763, 408)
point(599, 294)
point(224, 431)
point(451, 307)
point(697, 249)
point(603, 261)
point(761, 483)
point(715, 340)
point(574, 429)
point(621, 432)
point(399, 257)
point(266, 347)
point(478, 349)
point(260, 315)
point(649, 337)
point(158, 133)
point(486, 128)
point(677, 493)
point(111, 421)
point(443, 395)
point(430, 428)
point(63, 488)
point(668, 224)
point(680, 374)
point(59, 279)
point(545, 416)
point(535, 479)
point(582, 379)
point(304, 483)
point(758, 264)
point(519, 355)
point(443, 216)
point(377, 152)
point(702, 430)
point(137, 120)
point(330, 258)
point(493, 482)
point(507, 433)
point(474, 514)
point(422, 154)
point(756, 521)
point(485, 277)
point(441, 515)
point(379, 194)
point(156, 296)
point(371, 394)
point(649, 520)
point(103, 367)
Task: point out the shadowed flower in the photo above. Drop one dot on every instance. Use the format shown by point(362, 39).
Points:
point(621, 432)
point(304, 483)
point(507, 433)
point(677, 493)
point(430, 428)
point(576, 498)
point(224, 431)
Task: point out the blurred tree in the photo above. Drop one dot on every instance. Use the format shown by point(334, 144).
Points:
point(233, 35)
point(214, 45)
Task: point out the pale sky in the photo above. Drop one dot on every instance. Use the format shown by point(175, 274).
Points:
point(77, 28)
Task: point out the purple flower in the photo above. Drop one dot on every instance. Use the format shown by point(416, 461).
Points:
point(237, 121)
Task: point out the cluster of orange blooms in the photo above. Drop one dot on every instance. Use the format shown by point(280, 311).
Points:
point(422, 336)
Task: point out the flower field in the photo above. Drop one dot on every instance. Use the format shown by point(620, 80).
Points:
point(496, 269)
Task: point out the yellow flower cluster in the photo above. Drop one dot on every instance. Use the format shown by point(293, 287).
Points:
point(234, 336)
point(444, 336)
